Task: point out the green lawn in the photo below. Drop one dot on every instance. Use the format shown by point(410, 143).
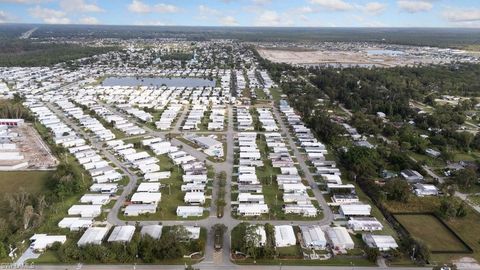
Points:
point(29, 181)
point(336, 261)
point(431, 231)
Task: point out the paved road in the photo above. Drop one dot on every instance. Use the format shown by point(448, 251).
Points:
point(327, 213)
point(211, 267)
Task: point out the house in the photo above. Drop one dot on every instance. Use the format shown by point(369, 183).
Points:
point(345, 199)
point(368, 224)
point(210, 146)
point(85, 210)
point(306, 210)
point(411, 176)
point(104, 188)
point(284, 236)
point(294, 188)
point(355, 210)
point(260, 230)
point(146, 198)
point(134, 210)
point(251, 198)
point(75, 223)
point(40, 242)
point(382, 242)
point(248, 209)
point(122, 234)
point(193, 232)
point(194, 198)
point(95, 199)
point(189, 211)
point(156, 176)
point(313, 237)
point(422, 190)
point(339, 238)
point(93, 236)
point(154, 231)
point(433, 153)
point(148, 187)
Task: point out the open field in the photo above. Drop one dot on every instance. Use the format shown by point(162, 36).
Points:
point(346, 58)
point(432, 232)
point(466, 228)
point(29, 181)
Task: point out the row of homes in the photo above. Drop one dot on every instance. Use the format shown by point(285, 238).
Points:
point(251, 201)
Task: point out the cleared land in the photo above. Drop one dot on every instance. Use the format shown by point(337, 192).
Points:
point(431, 231)
point(346, 58)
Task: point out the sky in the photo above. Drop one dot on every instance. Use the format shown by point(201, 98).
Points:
point(277, 13)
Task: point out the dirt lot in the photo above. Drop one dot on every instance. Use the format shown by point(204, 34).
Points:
point(33, 148)
point(344, 58)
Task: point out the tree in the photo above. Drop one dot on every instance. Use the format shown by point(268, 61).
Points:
point(447, 208)
point(361, 161)
point(252, 241)
point(397, 190)
point(372, 254)
point(465, 178)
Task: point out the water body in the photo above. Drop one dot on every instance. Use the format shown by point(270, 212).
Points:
point(385, 52)
point(157, 81)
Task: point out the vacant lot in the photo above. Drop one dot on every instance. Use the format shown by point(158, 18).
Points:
point(432, 232)
point(29, 181)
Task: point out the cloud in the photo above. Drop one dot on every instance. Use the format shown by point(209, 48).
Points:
point(271, 18)
point(4, 17)
point(374, 7)
point(334, 5)
point(228, 21)
point(366, 22)
point(304, 10)
point(49, 15)
point(261, 2)
point(25, 1)
point(79, 6)
point(414, 6)
point(207, 11)
point(138, 6)
point(89, 20)
point(156, 23)
point(462, 15)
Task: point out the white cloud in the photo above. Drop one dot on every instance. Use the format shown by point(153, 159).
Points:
point(156, 23)
point(261, 2)
point(271, 18)
point(24, 1)
point(49, 15)
point(138, 6)
point(228, 21)
point(4, 17)
point(367, 22)
point(79, 6)
point(374, 7)
point(335, 5)
point(305, 10)
point(207, 11)
point(89, 20)
point(414, 6)
point(462, 15)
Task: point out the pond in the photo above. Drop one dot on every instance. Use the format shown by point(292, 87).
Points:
point(157, 81)
point(385, 52)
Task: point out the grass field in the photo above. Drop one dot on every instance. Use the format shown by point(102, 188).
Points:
point(432, 232)
point(29, 181)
